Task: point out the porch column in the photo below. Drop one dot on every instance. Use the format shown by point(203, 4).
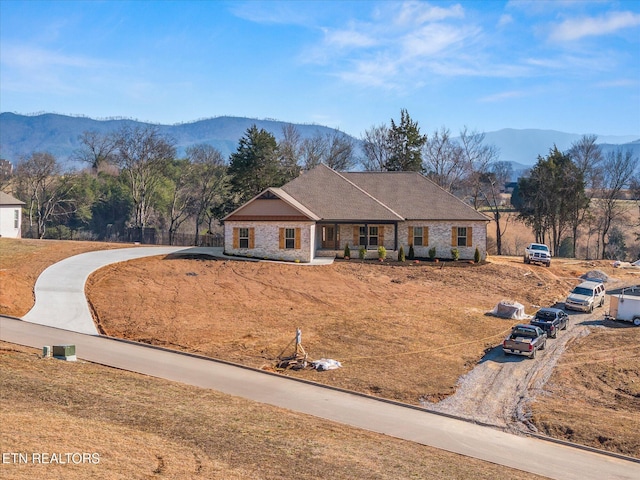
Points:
point(395, 236)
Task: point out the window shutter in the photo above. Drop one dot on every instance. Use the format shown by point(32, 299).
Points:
point(297, 242)
point(252, 237)
point(236, 237)
point(356, 236)
point(410, 236)
point(425, 236)
point(454, 236)
point(381, 235)
point(281, 244)
point(469, 237)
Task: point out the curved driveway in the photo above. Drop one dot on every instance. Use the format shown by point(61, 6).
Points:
point(550, 459)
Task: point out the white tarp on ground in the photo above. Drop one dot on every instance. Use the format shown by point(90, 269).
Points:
point(325, 364)
point(510, 309)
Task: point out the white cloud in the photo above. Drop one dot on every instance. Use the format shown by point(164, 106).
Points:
point(348, 38)
point(418, 13)
point(505, 19)
point(26, 57)
point(577, 28)
point(622, 82)
point(498, 97)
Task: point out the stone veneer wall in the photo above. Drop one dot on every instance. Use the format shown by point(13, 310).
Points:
point(439, 237)
point(267, 240)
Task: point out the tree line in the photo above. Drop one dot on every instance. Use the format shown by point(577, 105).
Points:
point(135, 179)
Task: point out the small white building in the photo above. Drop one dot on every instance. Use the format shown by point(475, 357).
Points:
point(10, 216)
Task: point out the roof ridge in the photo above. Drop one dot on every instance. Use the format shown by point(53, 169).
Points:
point(451, 194)
point(365, 192)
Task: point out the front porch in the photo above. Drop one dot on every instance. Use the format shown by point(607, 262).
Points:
point(332, 238)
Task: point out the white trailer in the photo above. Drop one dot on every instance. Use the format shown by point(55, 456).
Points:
point(625, 307)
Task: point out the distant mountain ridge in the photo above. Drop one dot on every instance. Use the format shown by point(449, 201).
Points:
point(21, 135)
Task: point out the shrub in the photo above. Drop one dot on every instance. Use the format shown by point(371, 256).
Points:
point(362, 253)
point(455, 254)
point(347, 251)
point(432, 253)
point(412, 254)
point(382, 252)
point(476, 256)
point(401, 257)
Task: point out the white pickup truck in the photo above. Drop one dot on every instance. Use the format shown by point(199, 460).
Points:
point(537, 253)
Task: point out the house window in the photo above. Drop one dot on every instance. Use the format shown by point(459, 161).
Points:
point(462, 237)
point(363, 236)
point(418, 236)
point(373, 236)
point(289, 238)
point(243, 237)
point(16, 219)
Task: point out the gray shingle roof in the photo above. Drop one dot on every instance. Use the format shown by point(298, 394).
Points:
point(331, 196)
point(6, 199)
point(376, 196)
point(414, 196)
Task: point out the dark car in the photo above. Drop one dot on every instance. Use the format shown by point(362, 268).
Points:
point(550, 320)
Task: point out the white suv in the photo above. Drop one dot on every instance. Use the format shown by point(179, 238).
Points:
point(585, 297)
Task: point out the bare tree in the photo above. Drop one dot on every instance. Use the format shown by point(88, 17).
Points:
point(210, 183)
point(617, 171)
point(375, 148)
point(47, 194)
point(489, 188)
point(587, 157)
point(143, 155)
point(98, 149)
point(313, 151)
point(334, 149)
point(339, 151)
point(477, 158)
point(444, 160)
point(290, 151)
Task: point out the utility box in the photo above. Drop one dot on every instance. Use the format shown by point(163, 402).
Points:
point(64, 352)
point(46, 351)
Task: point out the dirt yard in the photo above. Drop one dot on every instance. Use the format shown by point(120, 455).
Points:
point(401, 332)
point(408, 332)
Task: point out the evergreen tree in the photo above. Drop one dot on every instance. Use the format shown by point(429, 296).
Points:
point(405, 145)
point(255, 165)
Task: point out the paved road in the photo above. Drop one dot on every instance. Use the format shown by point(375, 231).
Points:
point(529, 454)
point(60, 302)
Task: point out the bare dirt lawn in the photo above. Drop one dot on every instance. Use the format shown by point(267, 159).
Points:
point(405, 332)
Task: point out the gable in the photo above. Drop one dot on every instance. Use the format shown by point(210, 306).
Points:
point(272, 204)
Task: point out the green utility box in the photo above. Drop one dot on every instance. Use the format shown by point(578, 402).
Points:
point(64, 351)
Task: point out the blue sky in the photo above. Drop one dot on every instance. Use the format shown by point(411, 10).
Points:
point(565, 65)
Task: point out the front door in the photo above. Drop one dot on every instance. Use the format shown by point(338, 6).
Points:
point(328, 237)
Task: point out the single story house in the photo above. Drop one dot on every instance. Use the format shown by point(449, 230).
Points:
point(322, 210)
point(10, 216)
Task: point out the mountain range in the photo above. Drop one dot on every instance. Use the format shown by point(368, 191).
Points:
point(21, 135)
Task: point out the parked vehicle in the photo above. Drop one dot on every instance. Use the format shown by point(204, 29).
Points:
point(551, 320)
point(625, 307)
point(524, 340)
point(537, 253)
point(586, 296)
